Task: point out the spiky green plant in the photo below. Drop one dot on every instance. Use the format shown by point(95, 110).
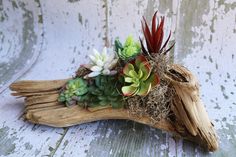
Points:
point(129, 50)
point(103, 92)
point(139, 77)
point(74, 88)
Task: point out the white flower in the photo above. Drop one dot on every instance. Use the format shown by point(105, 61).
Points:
point(102, 63)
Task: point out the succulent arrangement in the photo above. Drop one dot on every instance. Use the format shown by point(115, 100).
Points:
point(113, 76)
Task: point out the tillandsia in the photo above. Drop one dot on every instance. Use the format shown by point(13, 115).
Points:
point(74, 89)
point(139, 77)
point(102, 63)
point(154, 37)
point(129, 50)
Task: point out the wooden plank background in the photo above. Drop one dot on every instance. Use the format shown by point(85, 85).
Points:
point(42, 40)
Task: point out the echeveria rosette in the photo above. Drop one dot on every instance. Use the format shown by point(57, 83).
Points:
point(102, 63)
point(129, 50)
point(74, 88)
point(140, 77)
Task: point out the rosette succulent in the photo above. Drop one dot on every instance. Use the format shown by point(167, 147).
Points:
point(139, 77)
point(74, 89)
point(129, 50)
point(102, 63)
point(104, 92)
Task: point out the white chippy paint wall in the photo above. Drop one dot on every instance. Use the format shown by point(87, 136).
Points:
point(204, 32)
point(21, 40)
point(211, 57)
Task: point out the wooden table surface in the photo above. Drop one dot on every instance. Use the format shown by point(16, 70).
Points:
point(49, 39)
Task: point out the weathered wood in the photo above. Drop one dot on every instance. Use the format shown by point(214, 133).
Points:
point(25, 94)
point(43, 105)
point(188, 108)
point(41, 99)
point(36, 86)
point(191, 120)
point(65, 116)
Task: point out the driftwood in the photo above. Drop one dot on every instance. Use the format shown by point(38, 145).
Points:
point(190, 120)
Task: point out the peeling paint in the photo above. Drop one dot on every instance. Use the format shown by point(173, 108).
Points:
point(20, 42)
point(28, 146)
point(126, 138)
point(187, 19)
point(80, 18)
point(73, 1)
point(7, 145)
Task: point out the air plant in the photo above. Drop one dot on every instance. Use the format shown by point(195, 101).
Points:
point(129, 50)
point(154, 37)
point(139, 77)
point(74, 88)
point(101, 63)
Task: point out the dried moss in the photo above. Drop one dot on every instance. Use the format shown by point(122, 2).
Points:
point(82, 71)
point(156, 104)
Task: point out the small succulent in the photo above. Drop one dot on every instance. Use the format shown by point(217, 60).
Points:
point(154, 37)
point(139, 77)
point(129, 50)
point(103, 92)
point(101, 63)
point(74, 88)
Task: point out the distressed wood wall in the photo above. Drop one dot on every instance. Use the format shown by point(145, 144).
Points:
point(50, 39)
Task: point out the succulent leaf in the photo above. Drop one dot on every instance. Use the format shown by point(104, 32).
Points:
point(153, 79)
point(146, 69)
point(128, 90)
point(144, 88)
point(140, 59)
point(118, 45)
point(129, 50)
point(128, 79)
point(128, 67)
point(133, 74)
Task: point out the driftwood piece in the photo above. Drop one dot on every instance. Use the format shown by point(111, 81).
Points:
point(190, 120)
point(188, 108)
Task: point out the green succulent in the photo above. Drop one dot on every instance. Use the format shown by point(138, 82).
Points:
point(139, 77)
point(74, 88)
point(103, 92)
point(129, 50)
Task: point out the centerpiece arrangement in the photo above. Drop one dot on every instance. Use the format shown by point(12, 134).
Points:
point(134, 80)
